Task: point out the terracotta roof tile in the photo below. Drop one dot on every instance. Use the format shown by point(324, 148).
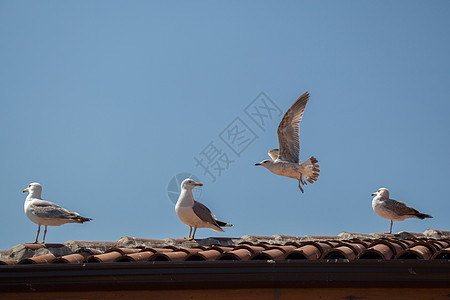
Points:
point(41, 259)
point(433, 244)
point(76, 258)
point(377, 251)
point(207, 255)
point(170, 256)
point(103, 258)
point(442, 254)
point(311, 252)
point(8, 262)
point(138, 257)
point(239, 254)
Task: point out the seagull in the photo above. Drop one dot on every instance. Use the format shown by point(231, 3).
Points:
point(285, 161)
point(46, 213)
point(193, 213)
point(392, 209)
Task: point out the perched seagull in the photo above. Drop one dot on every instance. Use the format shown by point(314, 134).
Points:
point(285, 160)
point(392, 209)
point(193, 213)
point(46, 213)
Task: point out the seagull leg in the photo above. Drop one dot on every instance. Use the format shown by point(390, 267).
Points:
point(37, 235)
point(195, 229)
point(190, 231)
point(390, 230)
point(300, 185)
point(45, 233)
point(302, 179)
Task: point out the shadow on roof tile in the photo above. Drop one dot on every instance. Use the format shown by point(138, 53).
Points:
point(208, 255)
point(42, 259)
point(239, 254)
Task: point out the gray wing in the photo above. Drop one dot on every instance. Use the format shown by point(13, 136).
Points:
point(273, 153)
point(399, 208)
point(204, 213)
point(289, 131)
point(48, 210)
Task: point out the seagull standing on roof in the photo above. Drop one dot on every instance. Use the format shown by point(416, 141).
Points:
point(285, 161)
point(392, 209)
point(46, 213)
point(193, 213)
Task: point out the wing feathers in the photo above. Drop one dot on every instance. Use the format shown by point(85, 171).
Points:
point(288, 130)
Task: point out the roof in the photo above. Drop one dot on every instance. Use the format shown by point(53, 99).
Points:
point(151, 268)
point(432, 244)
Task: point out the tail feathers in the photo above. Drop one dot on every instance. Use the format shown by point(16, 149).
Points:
point(81, 219)
point(311, 169)
point(223, 224)
point(422, 216)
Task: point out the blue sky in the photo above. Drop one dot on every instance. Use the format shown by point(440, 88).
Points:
point(104, 102)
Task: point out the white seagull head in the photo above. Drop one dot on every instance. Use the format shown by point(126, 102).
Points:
point(265, 163)
point(383, 192)
point(34, 188)
point(189, 184)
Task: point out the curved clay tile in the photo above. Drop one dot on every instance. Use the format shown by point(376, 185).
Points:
point(157, 250)
point(140, 256)
point(170, 256)
point(8, 262)
point(274, 254)
point(442, 254)
point(42, 259)
point(356, 247)
point(252, 249)
point(285, 249)
point(341, 252)
point(221, 249)
point(104, 258)
point(208, 255)
point(77, 258)
point(90, 251)
point(311, 252)
point(124, 251)
point(416, 252)
point(322, 246)
point(240, 254)
point(378, 251)
point(394, 246)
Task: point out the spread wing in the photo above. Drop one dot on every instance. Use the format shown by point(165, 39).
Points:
point(400, 208)
point(289, 131)
point(204, 213)
point(273, 153)
point(48, 210)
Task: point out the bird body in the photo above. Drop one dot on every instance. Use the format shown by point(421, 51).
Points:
point(43, 212)
point(285, 160)
point(392, 209)
point(193, 213)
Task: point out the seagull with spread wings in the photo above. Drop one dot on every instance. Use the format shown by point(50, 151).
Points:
point(285, 160)
point(193, 213)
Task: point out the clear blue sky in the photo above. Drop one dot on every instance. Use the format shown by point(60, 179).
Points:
point(103, 102)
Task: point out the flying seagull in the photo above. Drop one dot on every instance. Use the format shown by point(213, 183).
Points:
point(193, 213)
point(46, 213)
point(392, 209)
point(285, 161)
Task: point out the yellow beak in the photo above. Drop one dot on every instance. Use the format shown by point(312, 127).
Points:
point(25, 190)
point(198, 184)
